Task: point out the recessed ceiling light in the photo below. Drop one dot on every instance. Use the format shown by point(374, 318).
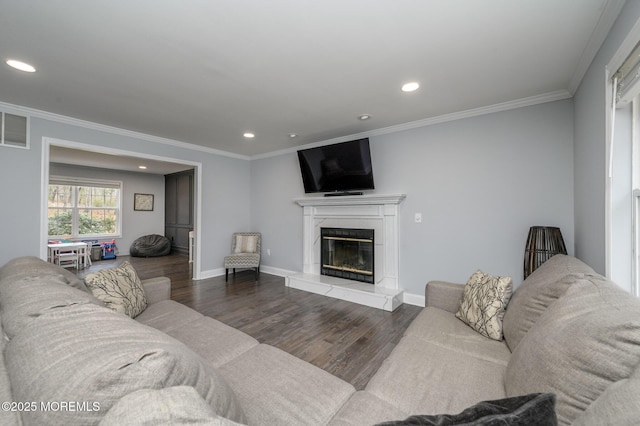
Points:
point(142, 167)
point(20, 65)
point(364, 117)
point(410, 87)
point(293, 135)
point(249, 135)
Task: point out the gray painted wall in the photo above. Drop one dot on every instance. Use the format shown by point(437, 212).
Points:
point(275, 182)
point(590, 150)
point(480, 183)
point(134, 223)
point(225, 189)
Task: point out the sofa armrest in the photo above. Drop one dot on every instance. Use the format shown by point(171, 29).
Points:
point(157, 289)
point(443, 295)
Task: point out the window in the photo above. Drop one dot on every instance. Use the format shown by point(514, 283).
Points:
point(83, 208)
point(623, 175)
point(13, 130)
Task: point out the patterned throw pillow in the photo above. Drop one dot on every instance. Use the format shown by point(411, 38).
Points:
point(119, 288)
point(246, 244)
point(484, 301)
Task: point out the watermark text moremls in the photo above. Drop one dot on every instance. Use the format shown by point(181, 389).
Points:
point(51, 406)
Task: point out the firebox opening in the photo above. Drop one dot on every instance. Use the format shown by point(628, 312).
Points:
point(348, 253)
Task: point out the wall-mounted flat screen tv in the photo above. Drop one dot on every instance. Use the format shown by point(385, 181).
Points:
point(341, 168)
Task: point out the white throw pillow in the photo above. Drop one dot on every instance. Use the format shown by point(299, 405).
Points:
point(119, 288)
point(484, 302)
point(246, 244)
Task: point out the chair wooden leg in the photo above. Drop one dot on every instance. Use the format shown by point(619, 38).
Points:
point(257, 272)
point(226, 274)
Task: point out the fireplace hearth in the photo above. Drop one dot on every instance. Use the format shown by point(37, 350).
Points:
point(348, 254)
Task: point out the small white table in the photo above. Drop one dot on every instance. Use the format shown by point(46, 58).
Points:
point(69, 255)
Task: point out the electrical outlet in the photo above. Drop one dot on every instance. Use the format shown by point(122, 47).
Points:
point(268, 252)
point(418, 217)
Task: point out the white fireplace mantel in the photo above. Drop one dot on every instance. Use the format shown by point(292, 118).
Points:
point(353, 200)
point(371, 211)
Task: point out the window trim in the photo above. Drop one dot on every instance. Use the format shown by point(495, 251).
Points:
point(635, 279)
point(100, 183)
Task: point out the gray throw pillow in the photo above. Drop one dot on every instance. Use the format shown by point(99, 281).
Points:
point(535, 409)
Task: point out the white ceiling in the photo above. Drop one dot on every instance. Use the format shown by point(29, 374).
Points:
point(78, 157)
point(206, 71)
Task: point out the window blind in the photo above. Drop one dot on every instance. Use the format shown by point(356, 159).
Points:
point(628, 77)
point(63, 180)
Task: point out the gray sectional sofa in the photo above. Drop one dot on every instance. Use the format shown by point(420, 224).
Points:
point(67, 359)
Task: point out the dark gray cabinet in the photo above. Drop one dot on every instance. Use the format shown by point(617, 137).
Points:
point(178, 213)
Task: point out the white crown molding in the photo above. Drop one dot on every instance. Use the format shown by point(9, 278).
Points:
point(503, 106)
point(608, 17)
point(118, 131)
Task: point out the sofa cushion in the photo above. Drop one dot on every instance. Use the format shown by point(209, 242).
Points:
point(90, 353)
point(177, 405)
point(537, 292)
point(424, 377)
point(484, 300)
point(7, 417)
point(119, 288)
point(168, 315)
point(276, 388)
point(30, 266)
point(444, 329)
point(527, 410)
point(363, 408)
point(27, 296)
point(584, 342)
point(618, 405)
point(214, 341)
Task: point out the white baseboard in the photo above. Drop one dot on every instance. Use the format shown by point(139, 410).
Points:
point(413, 299)
point(211, 273)
point(277, 271)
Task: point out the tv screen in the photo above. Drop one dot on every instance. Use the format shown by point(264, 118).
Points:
point(341, 167)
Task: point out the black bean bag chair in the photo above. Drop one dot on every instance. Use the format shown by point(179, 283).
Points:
point(150, 246)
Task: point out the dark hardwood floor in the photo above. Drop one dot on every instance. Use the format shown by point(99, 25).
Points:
point(346, 339)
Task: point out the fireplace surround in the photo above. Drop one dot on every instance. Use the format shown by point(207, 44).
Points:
point(377, 212)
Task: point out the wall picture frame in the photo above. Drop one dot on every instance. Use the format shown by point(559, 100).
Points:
point(143, 202)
